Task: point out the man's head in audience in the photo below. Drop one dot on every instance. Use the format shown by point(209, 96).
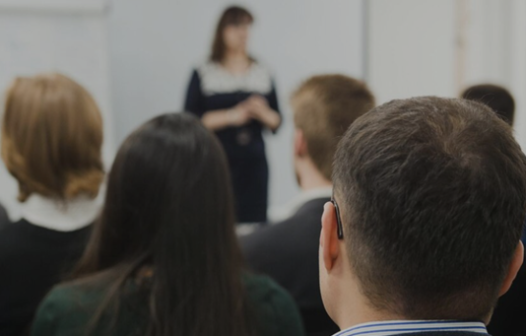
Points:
point(496, 97)
point(431, 194)
point(324, 106)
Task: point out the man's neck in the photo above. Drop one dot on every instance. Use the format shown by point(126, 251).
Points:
point(357, 314)
point(363, 316)
point(314, 186)
point(310, 178)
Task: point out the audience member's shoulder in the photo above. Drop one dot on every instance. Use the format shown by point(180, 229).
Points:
point(10, 229)
point(265, 241)
point(276, 309)
point(11, 238)
point(4, 218)
point(262, 290)
point(305, 222)
point(260, 237)
point(67, 309)
point(259, 286)
point(61, 301)
point(73, 296)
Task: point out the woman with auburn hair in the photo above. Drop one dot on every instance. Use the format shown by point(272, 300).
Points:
point(235, 97)
point(51, 144)
point(163, 259)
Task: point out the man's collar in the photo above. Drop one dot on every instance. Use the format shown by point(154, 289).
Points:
point(389, 328)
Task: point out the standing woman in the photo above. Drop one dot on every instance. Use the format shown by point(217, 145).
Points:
point(235, 97)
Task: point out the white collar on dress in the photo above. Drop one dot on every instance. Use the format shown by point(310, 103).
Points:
point(215, 79)
point(62, 216)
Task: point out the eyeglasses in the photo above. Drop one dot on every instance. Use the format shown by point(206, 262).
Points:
point(338, 218)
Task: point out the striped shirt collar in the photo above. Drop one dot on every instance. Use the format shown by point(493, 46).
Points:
point(389, 328)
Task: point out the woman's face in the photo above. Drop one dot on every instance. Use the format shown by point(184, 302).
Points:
point(236, 36)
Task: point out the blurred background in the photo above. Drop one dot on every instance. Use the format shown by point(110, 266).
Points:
point(136, 56)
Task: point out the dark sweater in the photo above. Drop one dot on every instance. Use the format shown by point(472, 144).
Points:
point(32, 260)
point(509, 317)
point(69, 308)
point(4, 219)
point(288, 253)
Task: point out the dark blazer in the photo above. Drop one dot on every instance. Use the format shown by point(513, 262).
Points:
point(509, 317)
point(4, 219)
point(288, 252)
point(32, 260)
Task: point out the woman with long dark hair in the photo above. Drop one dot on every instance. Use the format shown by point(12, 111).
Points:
point(163, 259)
point(235, 97)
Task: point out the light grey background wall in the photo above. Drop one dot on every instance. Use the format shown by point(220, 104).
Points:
point(136, 56)
point(411, 48)
point(439, 47)
point(156, 43)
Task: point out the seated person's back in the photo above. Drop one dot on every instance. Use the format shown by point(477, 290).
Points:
point(4, 218)
point(51, 144)
point(324, 107)
point(423, 233)
point(507, 319)
point(164, 258)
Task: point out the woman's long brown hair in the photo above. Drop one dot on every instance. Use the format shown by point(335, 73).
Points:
point(52, 137)
point(169, 210)
point(231, 16)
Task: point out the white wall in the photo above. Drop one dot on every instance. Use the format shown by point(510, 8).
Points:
point(411, 48)
point(517, 54)
point(439, 47)
point(496, 51)
point(414, 47)
point(156, 43)
point(52, 35)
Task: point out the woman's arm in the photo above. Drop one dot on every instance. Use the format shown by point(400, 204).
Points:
point(219, 119)
point(260, 110)
point(194, 102)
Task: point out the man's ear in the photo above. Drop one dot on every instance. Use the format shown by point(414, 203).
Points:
point(329, 242)
point(513, 269)
point(300, 143)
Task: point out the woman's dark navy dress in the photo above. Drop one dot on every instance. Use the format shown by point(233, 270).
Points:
point(213, 88)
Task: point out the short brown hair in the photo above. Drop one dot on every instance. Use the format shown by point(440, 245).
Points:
point(496, 97)
point(52, 137)
point(433, 193)
point(324, 107)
